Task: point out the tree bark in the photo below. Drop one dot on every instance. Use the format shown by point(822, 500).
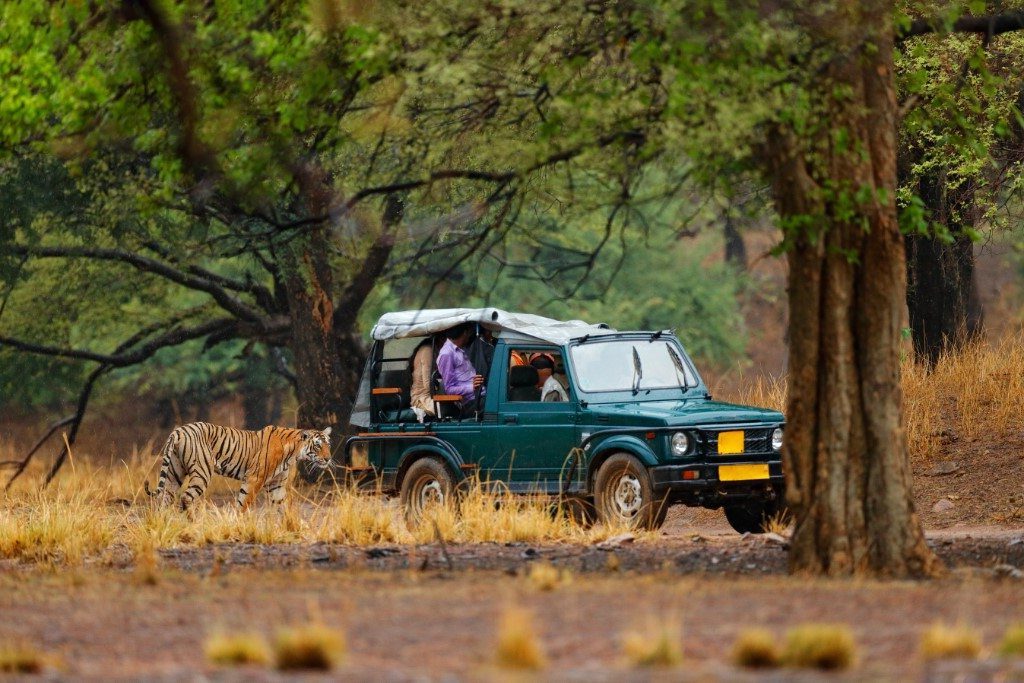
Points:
point(320, 387)
point(942, 296)
point(848, 475)
point(735, 248)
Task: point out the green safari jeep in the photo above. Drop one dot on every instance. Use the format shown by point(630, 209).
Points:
point(632, 432)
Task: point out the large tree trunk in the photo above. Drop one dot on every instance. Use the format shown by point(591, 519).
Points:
point(942, 295)
point(848, 475)
point(735, 247)
point(321, 392)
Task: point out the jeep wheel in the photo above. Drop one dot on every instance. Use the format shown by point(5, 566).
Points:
point(623, 494)
point(428, 484)
point(751, 517)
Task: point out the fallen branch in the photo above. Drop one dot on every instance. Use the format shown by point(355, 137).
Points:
point(22, 464)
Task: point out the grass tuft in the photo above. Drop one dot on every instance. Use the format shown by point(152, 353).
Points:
point(756, 649)
point(20, 658)
point(950, 642)
point(546, 577)
point(238, 649)
point(315, 646)
point(1012, 644)
point(658, 644)
point(518, 646)
point(829, 647)
point(147, 566)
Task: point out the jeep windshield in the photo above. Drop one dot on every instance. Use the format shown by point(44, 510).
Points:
point(635, 365)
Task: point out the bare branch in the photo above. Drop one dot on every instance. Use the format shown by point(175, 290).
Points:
point(23, 463)
point(226, 301)
point(172, 337)
point(374, 263)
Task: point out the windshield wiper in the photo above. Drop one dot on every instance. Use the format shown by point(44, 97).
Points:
point(678, 362)
point(638, 372)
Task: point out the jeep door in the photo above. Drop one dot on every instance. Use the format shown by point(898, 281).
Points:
point(535, 436)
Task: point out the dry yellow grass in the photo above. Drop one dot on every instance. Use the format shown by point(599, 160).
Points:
point(91, 509)
point(237, 649)
point(547, 577)
point(657, 644)
point(756, 649)
point(941, 641)
point(1012, 644)
point(20, 658)
point(314, 646)
point(829, 647)
point(518, 646)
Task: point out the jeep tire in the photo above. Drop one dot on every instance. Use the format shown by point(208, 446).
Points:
point(753, 516)
point(427, 483)
point(623, 494)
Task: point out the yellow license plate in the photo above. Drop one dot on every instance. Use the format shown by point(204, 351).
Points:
point(742, 472)
point(730, 443)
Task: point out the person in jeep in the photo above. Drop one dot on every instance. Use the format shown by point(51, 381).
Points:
point(458, 376)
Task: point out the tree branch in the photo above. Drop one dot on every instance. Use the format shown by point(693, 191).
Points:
point(374, 263)
point(226, 301)
point(196, 154)
point(991, 25)
point(262, 294)
point(23, 463)
point(120, 359)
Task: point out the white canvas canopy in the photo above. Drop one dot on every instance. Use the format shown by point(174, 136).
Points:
point(510, 326)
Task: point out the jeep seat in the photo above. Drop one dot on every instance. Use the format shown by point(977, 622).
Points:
point(522, 383)
point(391, 398)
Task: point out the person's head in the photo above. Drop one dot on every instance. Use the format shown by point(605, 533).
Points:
point(460, 334)
point(545, 366)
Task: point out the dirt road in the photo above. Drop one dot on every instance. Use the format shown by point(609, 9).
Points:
point(408, 616)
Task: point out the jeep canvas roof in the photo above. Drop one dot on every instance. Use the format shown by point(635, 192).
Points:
point(523, 327)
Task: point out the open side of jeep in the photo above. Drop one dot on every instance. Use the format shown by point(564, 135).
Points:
point(638, 433)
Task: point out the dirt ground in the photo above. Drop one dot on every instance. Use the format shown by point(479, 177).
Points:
point(430, 612)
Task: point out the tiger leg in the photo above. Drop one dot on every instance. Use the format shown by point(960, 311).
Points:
point(171, 470)
point(198, 462)
point(276, 487)
point(247, 494)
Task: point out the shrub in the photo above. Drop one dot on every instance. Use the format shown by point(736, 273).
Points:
point(309, 647)
point(1013, 642)
point(237, 649)
point(659, 644)
point(755, 649)
point(820, 646)
point(20, 658)
point(950, 642)
point(518, 646)
point(546, 577)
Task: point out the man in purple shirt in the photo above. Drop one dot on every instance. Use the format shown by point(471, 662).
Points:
point(458, 376)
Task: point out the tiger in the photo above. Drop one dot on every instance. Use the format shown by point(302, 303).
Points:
point(195, 452)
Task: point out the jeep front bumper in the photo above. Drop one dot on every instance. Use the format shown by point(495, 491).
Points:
point(698, 483)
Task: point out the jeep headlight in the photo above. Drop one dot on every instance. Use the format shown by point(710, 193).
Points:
point(680, 444)
point(777, 439)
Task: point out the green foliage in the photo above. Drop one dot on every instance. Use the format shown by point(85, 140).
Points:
point(549, 155)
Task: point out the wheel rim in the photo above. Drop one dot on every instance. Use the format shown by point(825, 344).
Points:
point(430, 493)
point(627, 496)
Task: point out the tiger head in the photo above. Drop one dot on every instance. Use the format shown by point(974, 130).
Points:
point(316, 447)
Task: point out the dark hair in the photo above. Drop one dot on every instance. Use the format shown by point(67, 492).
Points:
point(543, 363)
point(458, 330)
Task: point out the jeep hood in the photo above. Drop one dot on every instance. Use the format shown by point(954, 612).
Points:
point(682, 413)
